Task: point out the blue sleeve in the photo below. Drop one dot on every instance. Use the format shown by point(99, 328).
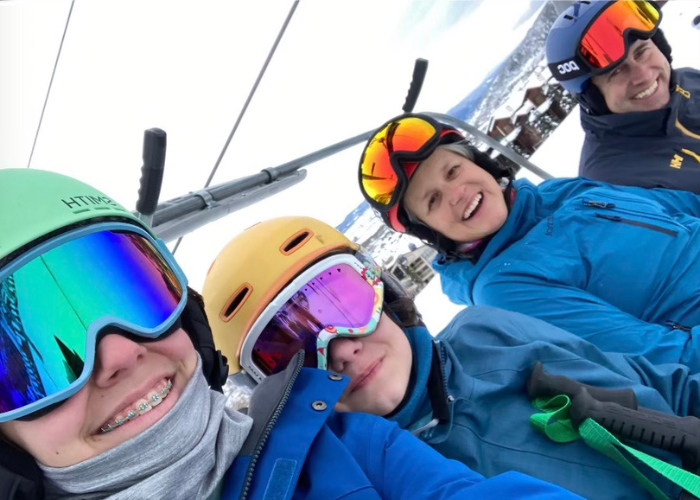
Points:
point(456, 290)
point(402, 467)
point(511, 342)
point(588, 317)
point(673, 382)
point(673, 201)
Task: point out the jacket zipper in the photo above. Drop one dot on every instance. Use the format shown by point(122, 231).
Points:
point(636, 213)
point(441, 352)
point(653, 227)
point(675, 326)
point(598, 204)
point(268, 429)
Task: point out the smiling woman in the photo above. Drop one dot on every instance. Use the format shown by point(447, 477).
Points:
point(456, 197)
point(573, 252)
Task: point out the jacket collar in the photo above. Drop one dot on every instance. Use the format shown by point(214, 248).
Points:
point(427, 392)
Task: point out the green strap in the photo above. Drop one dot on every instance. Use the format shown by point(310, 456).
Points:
point(555, 423)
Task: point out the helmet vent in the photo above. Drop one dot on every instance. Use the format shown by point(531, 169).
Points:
point(296, 242)
point(236, 301)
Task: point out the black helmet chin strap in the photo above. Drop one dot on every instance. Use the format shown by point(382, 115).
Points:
point(195, 323)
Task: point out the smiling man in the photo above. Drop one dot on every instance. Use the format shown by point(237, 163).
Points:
point(641, 117)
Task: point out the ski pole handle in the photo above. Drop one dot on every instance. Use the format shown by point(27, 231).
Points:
point(541, 384)
point(154, 143)
point(419, 71)
point(680, 435)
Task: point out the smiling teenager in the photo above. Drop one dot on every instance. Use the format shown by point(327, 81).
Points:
point(608, 263)
point(641, 117)
point(296, 283)
point(110, 382)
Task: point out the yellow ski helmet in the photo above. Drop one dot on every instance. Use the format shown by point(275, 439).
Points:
point(255, 266)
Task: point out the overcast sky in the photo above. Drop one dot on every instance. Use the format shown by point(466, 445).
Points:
point(187, 66)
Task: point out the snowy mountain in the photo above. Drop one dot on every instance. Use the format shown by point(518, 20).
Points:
point(517, 68)
point(514, 72)
point(467, 106)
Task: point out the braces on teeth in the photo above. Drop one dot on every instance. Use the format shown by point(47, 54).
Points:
point(142, 408)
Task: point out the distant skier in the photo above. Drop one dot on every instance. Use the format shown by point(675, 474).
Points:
point(641, 117)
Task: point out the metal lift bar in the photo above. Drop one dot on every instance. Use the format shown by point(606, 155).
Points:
point(179, 216)
point(490, 141)
point(214, 210)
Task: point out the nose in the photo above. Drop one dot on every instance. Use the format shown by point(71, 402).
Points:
point(455, 193)
point(640, 73)
point(116, 355)
point(342, 352)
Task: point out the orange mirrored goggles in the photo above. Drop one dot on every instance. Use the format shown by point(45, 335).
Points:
point(605, 41)
point(407, 138)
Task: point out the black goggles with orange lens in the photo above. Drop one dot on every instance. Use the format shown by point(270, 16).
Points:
point(407, 138)
point(606, 40)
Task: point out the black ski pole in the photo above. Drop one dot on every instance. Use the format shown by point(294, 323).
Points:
point(544, 385)
point(680, 435)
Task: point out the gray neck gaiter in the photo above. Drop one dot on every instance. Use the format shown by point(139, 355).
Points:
point(183, 456)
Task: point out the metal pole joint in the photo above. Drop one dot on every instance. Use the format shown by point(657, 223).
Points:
point(206, 197)
point(272, 174)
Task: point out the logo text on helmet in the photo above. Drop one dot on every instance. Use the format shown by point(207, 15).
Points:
point(568, 67)
point(88, 201)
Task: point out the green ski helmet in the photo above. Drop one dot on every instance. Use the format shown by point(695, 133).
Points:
point(36, 204)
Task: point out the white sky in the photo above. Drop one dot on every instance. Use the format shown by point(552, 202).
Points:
point(342, 68)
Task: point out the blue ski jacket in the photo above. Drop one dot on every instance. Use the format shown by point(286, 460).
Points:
point(485, 357)
point(616, 265)
point(299, 448)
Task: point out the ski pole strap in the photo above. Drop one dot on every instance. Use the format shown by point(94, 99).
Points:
point(555, 422)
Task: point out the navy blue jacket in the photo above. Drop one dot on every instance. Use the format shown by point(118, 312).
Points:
point(486, 356)
point(651, 149)
point(300, 449)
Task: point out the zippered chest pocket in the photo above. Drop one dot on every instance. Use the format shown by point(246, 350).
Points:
point(633, 214)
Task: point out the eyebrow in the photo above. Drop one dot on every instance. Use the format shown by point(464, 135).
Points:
point(640, 46)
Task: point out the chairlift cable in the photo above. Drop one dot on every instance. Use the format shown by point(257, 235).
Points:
point(48, 91)
point(247, 102)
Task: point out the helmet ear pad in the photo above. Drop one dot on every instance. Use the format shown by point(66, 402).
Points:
point(398, 304)
point(195, 323)
point(592, 100)
point(660, 41)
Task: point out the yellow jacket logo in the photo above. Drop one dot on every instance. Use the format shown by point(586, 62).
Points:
point(676, 161)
